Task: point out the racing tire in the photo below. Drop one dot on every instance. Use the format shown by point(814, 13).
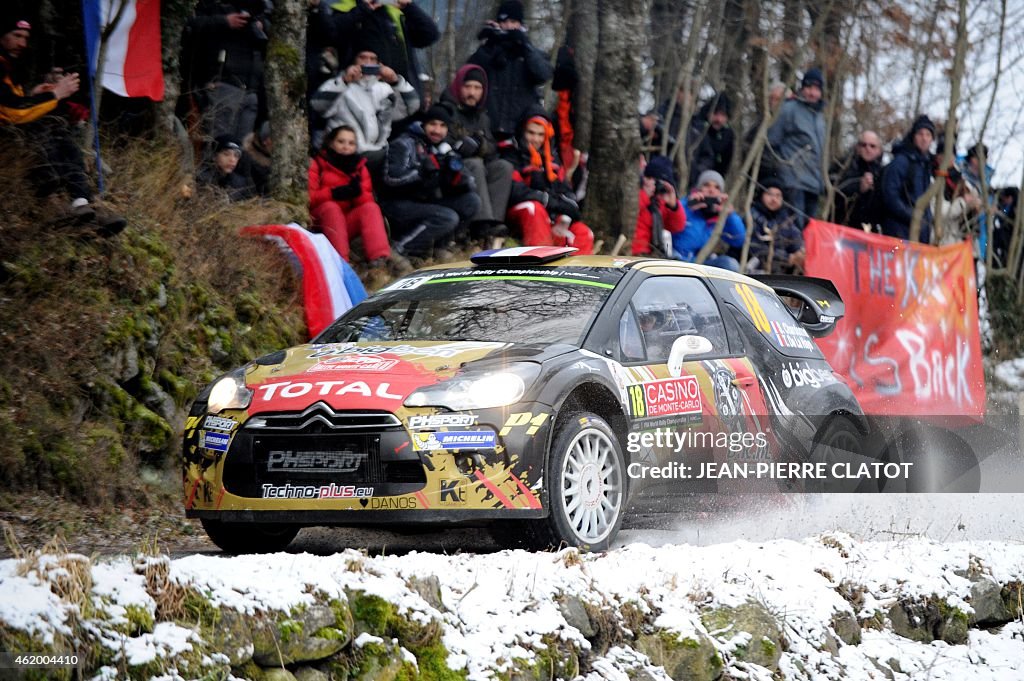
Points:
point(239, 538)
point(587, 486)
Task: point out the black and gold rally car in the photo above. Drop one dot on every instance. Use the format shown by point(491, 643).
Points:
point(528, 390)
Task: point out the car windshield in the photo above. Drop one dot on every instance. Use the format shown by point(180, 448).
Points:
point(539, 305)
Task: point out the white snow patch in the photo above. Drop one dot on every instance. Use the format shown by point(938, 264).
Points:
point(504, 606)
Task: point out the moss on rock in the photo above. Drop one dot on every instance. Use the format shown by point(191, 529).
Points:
point(690, 658)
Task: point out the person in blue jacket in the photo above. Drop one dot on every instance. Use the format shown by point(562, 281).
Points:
point(707, 204)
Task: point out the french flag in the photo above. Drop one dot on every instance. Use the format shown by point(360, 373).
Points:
point(132, 63)
point(329, 285)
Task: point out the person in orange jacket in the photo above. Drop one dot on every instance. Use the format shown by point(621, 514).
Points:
point(542, 204)
point(341, 197)
point(660, 210)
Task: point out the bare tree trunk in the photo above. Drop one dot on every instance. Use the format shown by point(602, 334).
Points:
point(923, 62)
point(792, 28)
point(988, 206)
point(173, 17)
point(959, 57)
point(734, 50)
point(615, 140)
point(286, 89)
point(666, 31)
point(582, 37)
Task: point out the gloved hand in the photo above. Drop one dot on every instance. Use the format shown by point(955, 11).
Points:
point(430, 174)
point(468, 147)
point(346, 192)
point(563, 205)
point(561, 229)
point(460, 183)
point(429, 166)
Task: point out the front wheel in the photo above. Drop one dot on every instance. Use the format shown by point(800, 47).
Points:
point(586, 475)
point(249, 537)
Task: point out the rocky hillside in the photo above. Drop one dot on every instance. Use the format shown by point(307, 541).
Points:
point(823, 608)
point(103, 342)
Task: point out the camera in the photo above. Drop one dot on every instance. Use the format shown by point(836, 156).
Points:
point(709, 201)
point(370, 69)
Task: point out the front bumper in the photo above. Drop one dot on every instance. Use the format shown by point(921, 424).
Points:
point(322, 467)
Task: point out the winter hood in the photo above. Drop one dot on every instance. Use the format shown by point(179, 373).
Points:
point(460, 77)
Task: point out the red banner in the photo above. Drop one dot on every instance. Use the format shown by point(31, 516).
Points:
point(909, 343)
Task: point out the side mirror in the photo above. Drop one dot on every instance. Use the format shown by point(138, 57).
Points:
point(683, 347)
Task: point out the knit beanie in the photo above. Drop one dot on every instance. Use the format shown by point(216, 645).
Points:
point(813, 76)
point(660, 168)
point(438, 113)
point(711, 176)
point(12, 22)
point(227, 143)
point(511, 10)
point(475, 74)
point(922, 122)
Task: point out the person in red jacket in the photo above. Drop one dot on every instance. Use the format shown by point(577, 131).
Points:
point(341, 197)
point(660, 210)
point(542, 204)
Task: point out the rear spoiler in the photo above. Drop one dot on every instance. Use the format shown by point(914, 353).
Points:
point(815, 302)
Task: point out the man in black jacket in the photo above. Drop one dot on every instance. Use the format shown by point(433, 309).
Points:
point(470, 132)
point(225, 48)
point(426, 194)
point(857, 181)
point(515, 69)
point(710, 141)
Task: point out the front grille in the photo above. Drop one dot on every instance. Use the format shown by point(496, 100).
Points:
point(343, 459)
point(319, 447)
point(320, 418)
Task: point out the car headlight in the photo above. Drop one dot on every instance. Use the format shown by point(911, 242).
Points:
point(229, 392)
point(477, 390)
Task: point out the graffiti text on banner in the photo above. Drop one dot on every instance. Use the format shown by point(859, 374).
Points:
point(909, 341)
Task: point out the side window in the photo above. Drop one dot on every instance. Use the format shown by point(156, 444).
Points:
point(670, 307)
point(774, 320)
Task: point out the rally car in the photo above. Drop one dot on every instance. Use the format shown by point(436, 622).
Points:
point(528, 390)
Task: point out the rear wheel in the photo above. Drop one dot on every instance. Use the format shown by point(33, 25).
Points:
point(249, 537)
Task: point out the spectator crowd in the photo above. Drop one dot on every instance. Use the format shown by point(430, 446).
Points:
point(411, 175)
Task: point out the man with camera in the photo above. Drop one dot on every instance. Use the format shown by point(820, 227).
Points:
point(660, 215)
point(369, 97)
point(225, 46)
point(515, 69)
point(394, 29)
point(426, 195)
point(470, 128)
point(707, 204)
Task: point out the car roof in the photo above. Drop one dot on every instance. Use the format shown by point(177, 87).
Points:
point(654, 266)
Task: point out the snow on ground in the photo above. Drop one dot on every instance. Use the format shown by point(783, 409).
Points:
point(498, 606)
